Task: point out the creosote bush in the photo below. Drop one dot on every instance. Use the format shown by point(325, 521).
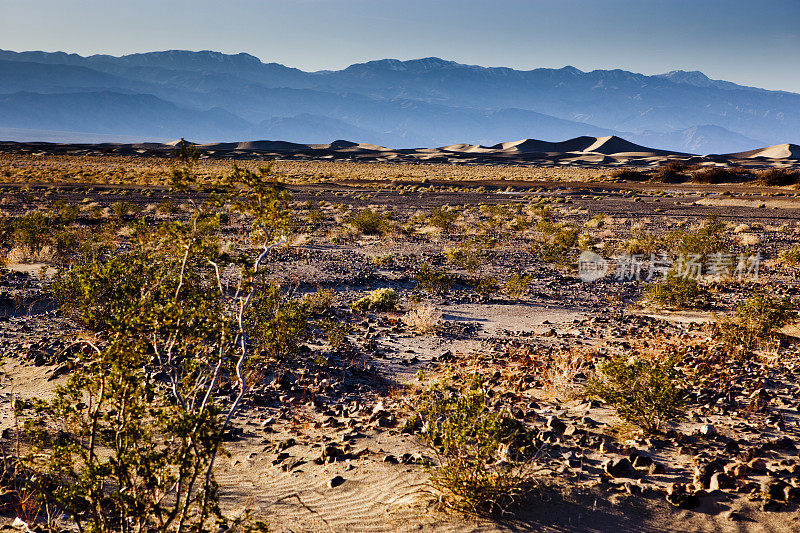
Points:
point(790, 256)
point(756, 319)
point(484, 456)
point(556, 243)
point(369, 222)
point(129, 442)
point(518, 285)
point(442, 218)
point(676, 291)
point(378, 300)
point(275, 324)
point(433, 280)
point(643, 391)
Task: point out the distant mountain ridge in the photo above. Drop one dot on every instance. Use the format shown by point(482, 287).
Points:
point(425, 102)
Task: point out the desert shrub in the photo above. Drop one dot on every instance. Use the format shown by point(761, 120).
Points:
point(384, 260)
point(644, 391)
point(790, 256)
point(114, 440)
point(597, 221)
point(754, 320)
point(67, 244)
point(643, 243)
point(433, 280)
point(465, 256)
point(314, 216)
point(518, 285)
point(720, 175)
point(779, 177)
point(483, 455)
point(263, 197)
point(672, 172)
point(320, 301)
point(185, 158)
point(706, 239)
point(68, 214)
point(275, 324)
point(378, 300)
point(556, 242)
point(484, 285)
point(676, 291)
point(627, 174)
point(129, 442)
point(423, 318)
point(442, 218)
point(122, 210)
point(335, 331)
point(167, 207)
point(369, 222)
point(32, 231)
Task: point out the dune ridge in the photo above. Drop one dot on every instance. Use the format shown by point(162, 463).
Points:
point(607, 151)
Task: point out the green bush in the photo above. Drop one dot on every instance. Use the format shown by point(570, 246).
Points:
point(167, 207)
point(433, 280)
point(676, 291)
point(518, 285)
point(754, 320)
point(275, 325)
point(442, 219)
point(557, 242)
point(32, 231)
point(643, 243)
point(125, 447)
point(702, 241)
point(483, 455)
point(369, 222)
point(484, 285)
point(378, 300)
point(465, 256)
point(643, 391)
point(791, 256)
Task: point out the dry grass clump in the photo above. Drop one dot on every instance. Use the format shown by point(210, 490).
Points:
point(423, 318)
point(559, 373)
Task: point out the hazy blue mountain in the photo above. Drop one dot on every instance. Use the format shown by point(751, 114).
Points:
point(109, 112)
point(425, 102)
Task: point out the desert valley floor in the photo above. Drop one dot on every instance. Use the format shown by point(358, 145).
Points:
point(483, 260)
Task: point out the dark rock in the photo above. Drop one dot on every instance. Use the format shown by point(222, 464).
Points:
point(619, 468)
point(555, 424)
point(721, 481)
point(335, 481)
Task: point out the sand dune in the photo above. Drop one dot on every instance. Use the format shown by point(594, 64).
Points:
point(779, 151)
point(610, 151)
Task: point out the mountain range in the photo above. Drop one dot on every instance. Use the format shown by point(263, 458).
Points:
point(209, 96)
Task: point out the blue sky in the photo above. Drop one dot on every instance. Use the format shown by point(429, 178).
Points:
point(754, 43)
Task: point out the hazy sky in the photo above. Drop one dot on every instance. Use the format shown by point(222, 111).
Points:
point(754, 42)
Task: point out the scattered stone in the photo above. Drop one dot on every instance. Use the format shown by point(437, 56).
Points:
point(335, 481)
point(619, 468)
point(721, 481)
